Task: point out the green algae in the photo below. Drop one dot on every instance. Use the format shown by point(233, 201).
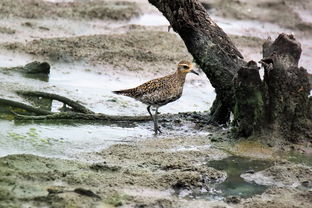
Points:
point(32, 137)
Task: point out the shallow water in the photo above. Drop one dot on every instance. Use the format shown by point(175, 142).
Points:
point(234, 185)
point(93, 87)
point(62, 140)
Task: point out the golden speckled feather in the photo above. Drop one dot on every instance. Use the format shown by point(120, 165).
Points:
point(159, 92)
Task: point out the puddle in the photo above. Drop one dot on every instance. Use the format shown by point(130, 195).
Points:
point(234, 185)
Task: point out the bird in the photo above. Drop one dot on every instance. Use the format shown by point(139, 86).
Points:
point(160, 91)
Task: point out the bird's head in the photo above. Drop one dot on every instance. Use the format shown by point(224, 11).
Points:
point(186, 67)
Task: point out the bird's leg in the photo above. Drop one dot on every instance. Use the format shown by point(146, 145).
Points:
point(156, 127)
point(149, 111)
point(155, 119)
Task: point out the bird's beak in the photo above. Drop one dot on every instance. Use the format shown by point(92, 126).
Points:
point(194, 72)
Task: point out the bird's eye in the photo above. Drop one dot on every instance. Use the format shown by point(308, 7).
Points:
point(185, 67)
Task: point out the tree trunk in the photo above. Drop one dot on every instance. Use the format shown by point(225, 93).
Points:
point(280, 104)
point(277, 106)
point(211, 48)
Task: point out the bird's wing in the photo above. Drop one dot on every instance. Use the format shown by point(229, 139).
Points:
point(154, 85)
point(150, 87)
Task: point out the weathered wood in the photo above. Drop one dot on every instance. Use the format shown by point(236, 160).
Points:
point(211, 48)
point(280, 104)
point(96, 117)
point(287, 109)
point(75, 105)
point(248, 113)
point(25, 107)
point(48, 115)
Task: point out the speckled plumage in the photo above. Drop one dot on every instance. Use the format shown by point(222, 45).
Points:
point(159, 92)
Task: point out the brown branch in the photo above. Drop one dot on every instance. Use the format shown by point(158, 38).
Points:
point(48, 115)
point(83, 116)
point(23, 106)
point(74, 104)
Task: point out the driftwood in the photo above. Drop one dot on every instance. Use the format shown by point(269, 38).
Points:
point(82, 116)
point(73, 104)
point(87, 115)
point(78, 111)
point(25, 107)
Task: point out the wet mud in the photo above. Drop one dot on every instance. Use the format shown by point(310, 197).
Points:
point(171, 172)
point(99, 46)
point(135, 50)
point(35, 9)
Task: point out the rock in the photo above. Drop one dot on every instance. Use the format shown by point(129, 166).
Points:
point(37, 68)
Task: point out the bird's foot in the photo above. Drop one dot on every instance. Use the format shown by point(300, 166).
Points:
point(157, 130)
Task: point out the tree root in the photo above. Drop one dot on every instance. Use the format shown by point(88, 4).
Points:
point(73, 104)
point(79, 112)
point(25, 107)
point(83, 116)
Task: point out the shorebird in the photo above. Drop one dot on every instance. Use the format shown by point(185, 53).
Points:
point(160, 91)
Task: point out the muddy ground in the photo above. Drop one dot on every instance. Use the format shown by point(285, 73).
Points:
point(107, 39)
point(145, 173)
point(286, 13)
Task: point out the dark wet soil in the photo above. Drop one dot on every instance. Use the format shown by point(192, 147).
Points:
point(135, 50)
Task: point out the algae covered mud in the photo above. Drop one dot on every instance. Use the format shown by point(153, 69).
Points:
point(95, 47)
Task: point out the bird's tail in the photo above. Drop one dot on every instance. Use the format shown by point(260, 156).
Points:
point(118, 92)
point(126, 92)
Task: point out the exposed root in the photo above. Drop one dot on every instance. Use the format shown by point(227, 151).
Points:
point(25, 107)
point(73, 104)
point(83, 116)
